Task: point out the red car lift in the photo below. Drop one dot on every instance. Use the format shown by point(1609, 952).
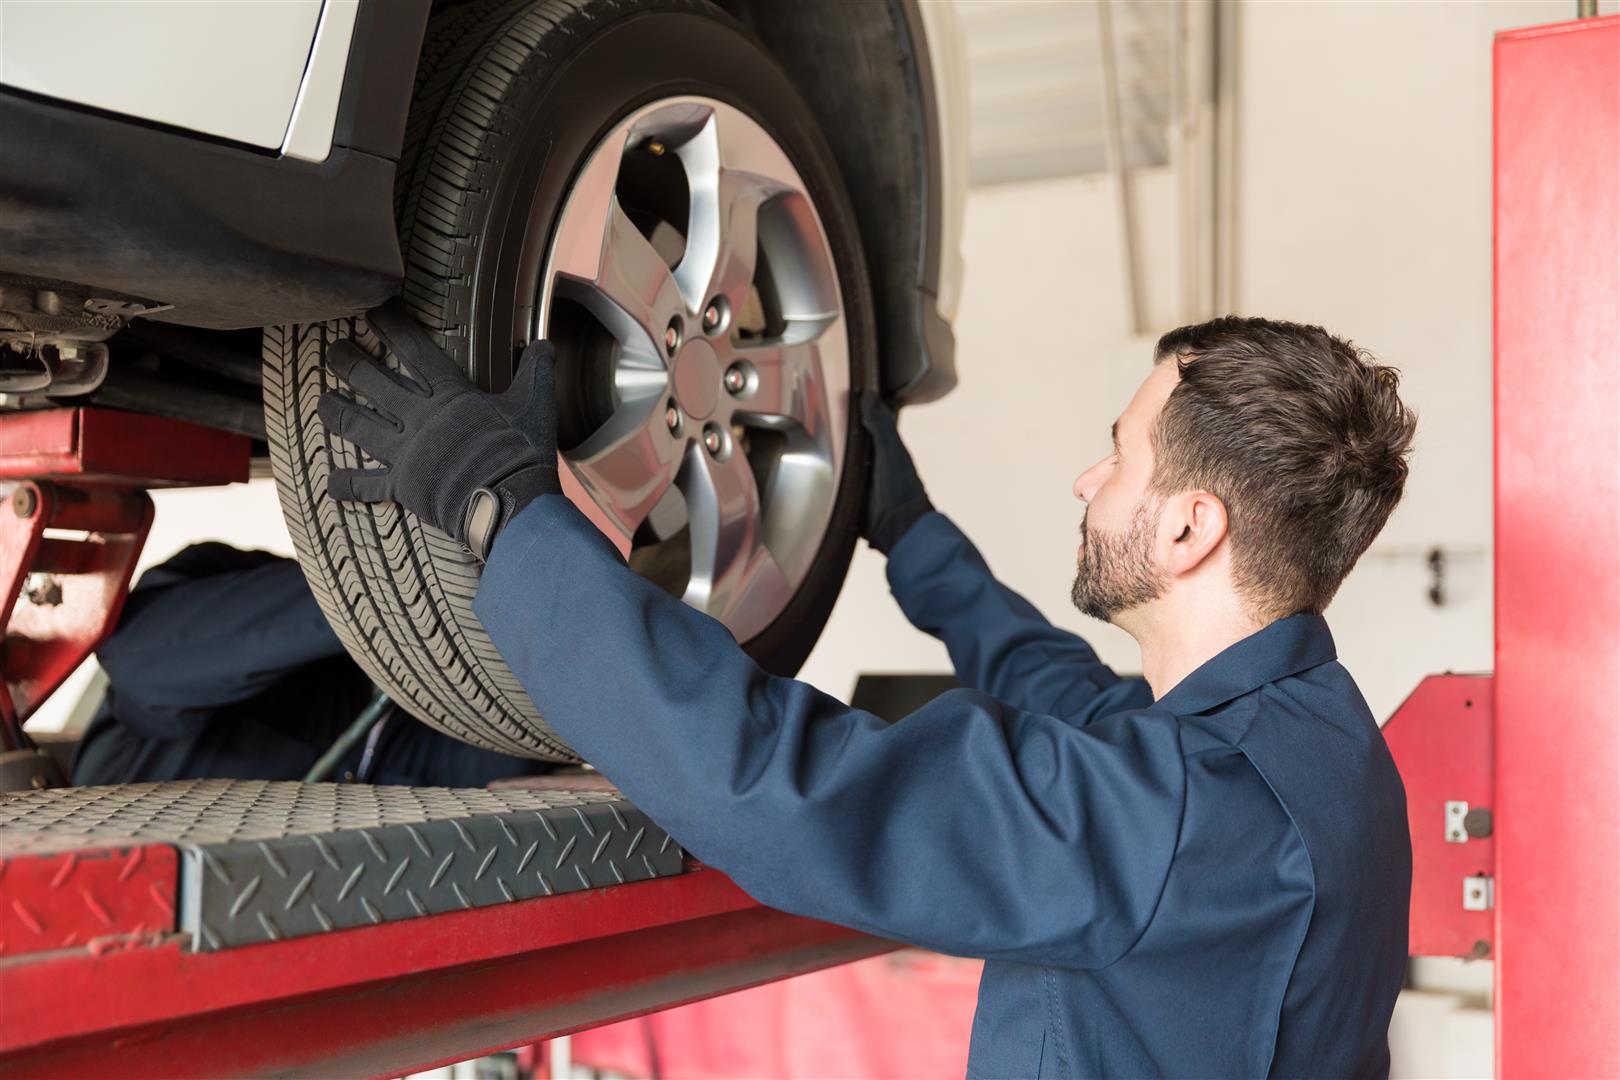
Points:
point(213, 928)
point(1513, 780)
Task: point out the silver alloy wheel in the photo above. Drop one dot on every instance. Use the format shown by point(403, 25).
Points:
point(729, 359)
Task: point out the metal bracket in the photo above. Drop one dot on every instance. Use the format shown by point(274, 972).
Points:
point(1456, 814)
point(1479, 893)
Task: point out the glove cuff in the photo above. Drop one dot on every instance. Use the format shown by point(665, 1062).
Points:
point(490, 508)
point(887, 530)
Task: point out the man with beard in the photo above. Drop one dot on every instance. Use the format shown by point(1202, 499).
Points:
point(1202, 874)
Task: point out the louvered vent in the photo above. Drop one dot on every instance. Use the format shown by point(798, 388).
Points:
point(1037, 92)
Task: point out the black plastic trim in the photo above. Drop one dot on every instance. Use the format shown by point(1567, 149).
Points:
point(377, 82)
point(934, 375)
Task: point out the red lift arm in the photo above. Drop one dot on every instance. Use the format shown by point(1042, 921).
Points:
point(82, 472)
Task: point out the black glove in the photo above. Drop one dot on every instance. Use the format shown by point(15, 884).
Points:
point(460, 459)
point(896, 499)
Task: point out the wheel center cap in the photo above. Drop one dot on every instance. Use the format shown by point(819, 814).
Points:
point(697, 379)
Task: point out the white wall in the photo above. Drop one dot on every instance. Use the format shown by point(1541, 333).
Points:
point(1364, 206)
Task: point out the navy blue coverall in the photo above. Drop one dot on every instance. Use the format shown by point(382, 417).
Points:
point(1211, 884)
point(222, 665)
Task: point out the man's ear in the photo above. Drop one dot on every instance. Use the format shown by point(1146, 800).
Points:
point(1192, 527)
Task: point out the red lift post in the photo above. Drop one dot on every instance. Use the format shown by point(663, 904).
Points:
point(1513, 780)
point(1558, 550)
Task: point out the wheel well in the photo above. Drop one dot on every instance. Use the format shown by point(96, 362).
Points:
point(864, 70)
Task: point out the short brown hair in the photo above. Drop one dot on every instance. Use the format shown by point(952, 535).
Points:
point(1303, 437)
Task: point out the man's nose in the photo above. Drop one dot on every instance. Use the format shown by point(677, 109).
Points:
point(1086, 484)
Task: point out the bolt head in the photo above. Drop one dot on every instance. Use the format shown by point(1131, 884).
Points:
point(656, 148)
point(672, 337)
point(735, 379)
point(24, 502)
point(672, 417)
point(711, 316)
point(712, 441)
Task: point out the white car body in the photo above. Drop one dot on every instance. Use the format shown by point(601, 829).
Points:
point(268, 74)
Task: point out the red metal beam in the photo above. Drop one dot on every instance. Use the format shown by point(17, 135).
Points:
point(407, 995)
point(105, 446)
point(1558, 550)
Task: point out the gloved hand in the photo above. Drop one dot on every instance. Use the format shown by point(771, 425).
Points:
point(462, 460)
point(896, 499)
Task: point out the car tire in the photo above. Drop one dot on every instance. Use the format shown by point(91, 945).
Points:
point(512, 97)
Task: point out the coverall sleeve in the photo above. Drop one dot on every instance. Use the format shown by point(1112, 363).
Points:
point(969, 827)
point(998, 641)
point(183, 650)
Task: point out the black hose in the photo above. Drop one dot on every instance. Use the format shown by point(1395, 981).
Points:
point(374, 710)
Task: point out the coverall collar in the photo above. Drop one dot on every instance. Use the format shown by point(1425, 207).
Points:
point(1285, 647)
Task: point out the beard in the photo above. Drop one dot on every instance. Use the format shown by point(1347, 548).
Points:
point(1116, 571)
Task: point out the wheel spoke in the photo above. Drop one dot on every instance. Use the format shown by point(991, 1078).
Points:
point(787, 386)
point(627, 465)
point(734, 576)
point(732, 168)
point(602, 260)
point(723, 241)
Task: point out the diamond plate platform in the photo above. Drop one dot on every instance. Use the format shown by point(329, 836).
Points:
point(266, 861)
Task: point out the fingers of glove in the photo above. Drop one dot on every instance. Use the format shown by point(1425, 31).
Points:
point(358, 424)
point(530, 402)
point(360, 485)
point(414, 346)
point(366, 374)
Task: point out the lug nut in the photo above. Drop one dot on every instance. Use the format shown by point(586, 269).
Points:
point(672, 337)
point(712, 442)
point(736, 380)
point(711, 316)
point(672, 417)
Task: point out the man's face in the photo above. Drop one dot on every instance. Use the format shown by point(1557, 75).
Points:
point(1117, 566)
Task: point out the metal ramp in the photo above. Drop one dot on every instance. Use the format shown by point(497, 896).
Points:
point(228, 927)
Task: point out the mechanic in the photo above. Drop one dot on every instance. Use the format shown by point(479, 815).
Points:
point(222, 665)
point(1203, 875)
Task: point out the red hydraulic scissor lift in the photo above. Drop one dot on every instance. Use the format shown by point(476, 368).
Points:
point(216, 927)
